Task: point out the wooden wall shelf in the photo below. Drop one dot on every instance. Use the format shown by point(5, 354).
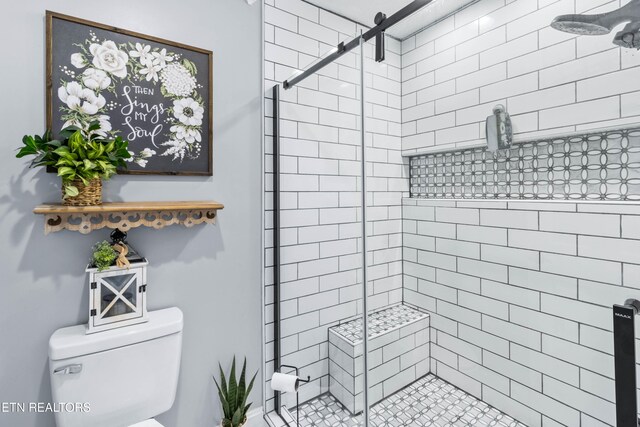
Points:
point(127, 215)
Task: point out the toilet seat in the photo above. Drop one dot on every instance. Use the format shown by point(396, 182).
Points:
point(148, 423)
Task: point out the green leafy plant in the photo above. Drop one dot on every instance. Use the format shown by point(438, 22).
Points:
point(103, 255)
point(233, 396)
point(77, 154)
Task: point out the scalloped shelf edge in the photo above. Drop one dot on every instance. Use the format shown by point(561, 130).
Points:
point(127, 215)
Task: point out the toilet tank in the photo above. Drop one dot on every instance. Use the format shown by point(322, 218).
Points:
point(118, 377)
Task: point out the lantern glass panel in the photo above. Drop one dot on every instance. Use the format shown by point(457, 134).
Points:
point(119, 295)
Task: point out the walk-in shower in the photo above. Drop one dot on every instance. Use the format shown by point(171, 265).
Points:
point(452, 216)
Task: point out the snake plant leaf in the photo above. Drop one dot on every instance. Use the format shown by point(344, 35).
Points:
point(223, 400)
point(223, 380)
point(233, 385)
point(238, 417)
point(244, 401)
point(242, 385)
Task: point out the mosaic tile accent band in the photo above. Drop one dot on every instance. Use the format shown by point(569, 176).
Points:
point(595, 166)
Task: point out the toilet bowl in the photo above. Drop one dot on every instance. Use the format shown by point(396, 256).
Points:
point(125, 377)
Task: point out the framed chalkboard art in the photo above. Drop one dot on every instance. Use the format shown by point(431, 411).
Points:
point(156, 94)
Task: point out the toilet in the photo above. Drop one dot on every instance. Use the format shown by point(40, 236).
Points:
point(126, 376)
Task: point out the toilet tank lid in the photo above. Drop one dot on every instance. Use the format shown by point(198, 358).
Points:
point(74, 340)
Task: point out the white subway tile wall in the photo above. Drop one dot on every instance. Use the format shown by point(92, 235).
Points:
point(500, 51)
point(521, 314)
point(321, 175)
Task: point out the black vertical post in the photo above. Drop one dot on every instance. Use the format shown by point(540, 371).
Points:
point(380, 48)
point(276, 238)
point(625, 365)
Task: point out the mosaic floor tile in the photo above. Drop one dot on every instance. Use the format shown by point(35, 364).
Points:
point(429, 401)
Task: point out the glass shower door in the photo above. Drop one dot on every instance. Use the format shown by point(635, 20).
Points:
point(318, 290)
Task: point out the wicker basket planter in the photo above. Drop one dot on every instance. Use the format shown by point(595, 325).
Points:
point(88, 195)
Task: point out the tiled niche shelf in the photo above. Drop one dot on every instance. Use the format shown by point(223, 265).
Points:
point(602, 165)
point(127, 215)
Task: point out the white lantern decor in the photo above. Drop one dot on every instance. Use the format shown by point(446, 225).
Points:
point(118, 297)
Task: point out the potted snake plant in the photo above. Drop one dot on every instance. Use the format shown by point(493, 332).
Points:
point(233, 395)
point(82, 159)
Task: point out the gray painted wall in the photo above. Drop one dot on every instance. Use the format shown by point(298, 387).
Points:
point(211, 272)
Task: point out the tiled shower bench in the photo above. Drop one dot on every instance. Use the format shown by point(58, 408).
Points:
point(398, 355)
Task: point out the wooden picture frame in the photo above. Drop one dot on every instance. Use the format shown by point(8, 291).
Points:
point(115, 65)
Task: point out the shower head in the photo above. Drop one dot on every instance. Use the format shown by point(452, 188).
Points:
point(580, 24)
point(604, 23)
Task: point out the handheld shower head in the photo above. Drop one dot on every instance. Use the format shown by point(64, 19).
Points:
point(581, 25)
point(604, 23)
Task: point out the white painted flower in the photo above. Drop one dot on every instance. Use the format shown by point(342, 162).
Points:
point(161, 58)
point(78, 60)
point(96, 79)
point(177, 80)
point(105, 126)
point(92, 102)
point(131, 156)
point(103, 120)
point(190, 135)
point(177, 149)
point(81, 99)
point(150, 72)
point(141, 162)
point(147, 152)
point(70, 94)
point(108, 57)
point(188, 111)
point(142, 52)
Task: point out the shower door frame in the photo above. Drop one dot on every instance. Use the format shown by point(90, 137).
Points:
point(276, 235)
